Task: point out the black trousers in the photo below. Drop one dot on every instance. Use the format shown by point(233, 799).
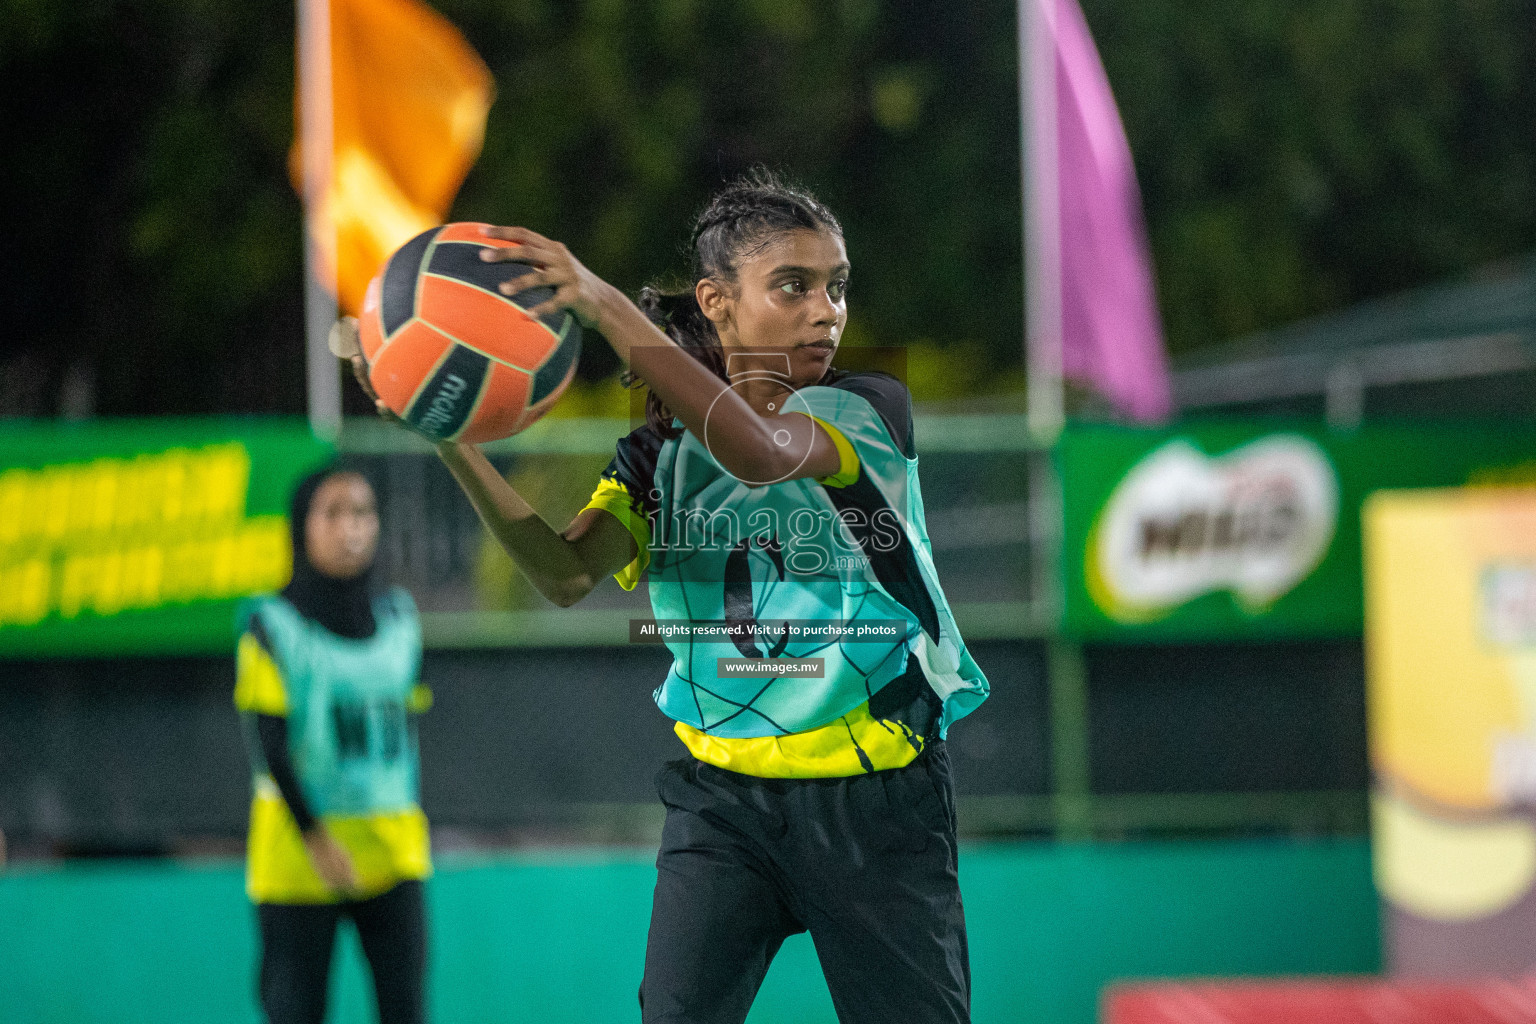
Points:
point(296, 944)
point(867, 864)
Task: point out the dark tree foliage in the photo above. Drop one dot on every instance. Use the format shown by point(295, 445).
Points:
point(153, 241)
point(1295, 155)
point(612, 128)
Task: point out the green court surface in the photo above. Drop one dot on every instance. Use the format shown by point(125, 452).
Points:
point(560, 936)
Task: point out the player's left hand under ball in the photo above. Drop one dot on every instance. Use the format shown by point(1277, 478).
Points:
point(344, 344)
point(576, 288)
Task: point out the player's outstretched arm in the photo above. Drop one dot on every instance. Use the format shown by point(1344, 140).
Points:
point(740, 439)
point(562, 567)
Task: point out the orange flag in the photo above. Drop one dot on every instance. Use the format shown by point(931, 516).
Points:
point(407, 108)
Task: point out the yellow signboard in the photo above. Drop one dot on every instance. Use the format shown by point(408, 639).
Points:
point(109, 535)
point(140, 536)
point(1450, 610)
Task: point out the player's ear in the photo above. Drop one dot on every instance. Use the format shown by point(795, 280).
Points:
point(714, 300)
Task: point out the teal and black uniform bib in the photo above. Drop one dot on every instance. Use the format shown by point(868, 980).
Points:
point(348, 722)
point(845, 550)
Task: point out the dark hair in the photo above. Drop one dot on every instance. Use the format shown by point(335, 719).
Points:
point(739, 221)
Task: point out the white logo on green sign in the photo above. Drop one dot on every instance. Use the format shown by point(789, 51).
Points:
point(1255, 522)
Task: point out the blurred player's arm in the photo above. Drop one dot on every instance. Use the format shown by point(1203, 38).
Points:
point(272, 730)
point(331, 861)
point(259, 690)
point(564, 567)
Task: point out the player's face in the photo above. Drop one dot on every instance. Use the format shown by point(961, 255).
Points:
point(342, 531)
point(790, 297)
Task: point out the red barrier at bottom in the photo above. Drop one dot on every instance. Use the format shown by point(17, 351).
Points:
point(1322, 1002)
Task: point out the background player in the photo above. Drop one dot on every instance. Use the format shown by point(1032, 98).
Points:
point(327, 676)
point(820, 804)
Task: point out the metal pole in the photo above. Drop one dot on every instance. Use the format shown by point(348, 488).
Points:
point(1071, 772)
point(1066, 671)
point(1042, 217)
point(323, 372)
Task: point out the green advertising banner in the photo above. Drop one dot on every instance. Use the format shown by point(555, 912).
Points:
point(140, 536)
point(1245, 530)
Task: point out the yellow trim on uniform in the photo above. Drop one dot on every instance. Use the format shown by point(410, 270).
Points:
point(613, 497)
point(385, 849)
point(847, 459)
point(258, 684)
point(420, 700)
point(830, 751)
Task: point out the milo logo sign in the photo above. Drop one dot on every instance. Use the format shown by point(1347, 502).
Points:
point(1254, 522)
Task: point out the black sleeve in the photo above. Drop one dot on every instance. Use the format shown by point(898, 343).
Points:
point(891, 400)
point(634, 466)
point(273, 732)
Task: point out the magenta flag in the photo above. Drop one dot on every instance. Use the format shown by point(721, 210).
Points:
point(1110, 335)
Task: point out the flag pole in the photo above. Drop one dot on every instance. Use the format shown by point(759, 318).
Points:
point(1066, 672)
point(1042, 218)
point(315, 99)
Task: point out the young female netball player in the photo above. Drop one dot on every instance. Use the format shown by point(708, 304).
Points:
point(326, 676)
point(767, 489)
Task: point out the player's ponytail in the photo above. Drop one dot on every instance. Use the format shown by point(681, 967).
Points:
point(738, 222)
point(678, 314)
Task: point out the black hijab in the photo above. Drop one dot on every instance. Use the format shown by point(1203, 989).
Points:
point(345, 607)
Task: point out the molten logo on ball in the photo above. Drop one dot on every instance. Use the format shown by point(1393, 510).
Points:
point(444, 404)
